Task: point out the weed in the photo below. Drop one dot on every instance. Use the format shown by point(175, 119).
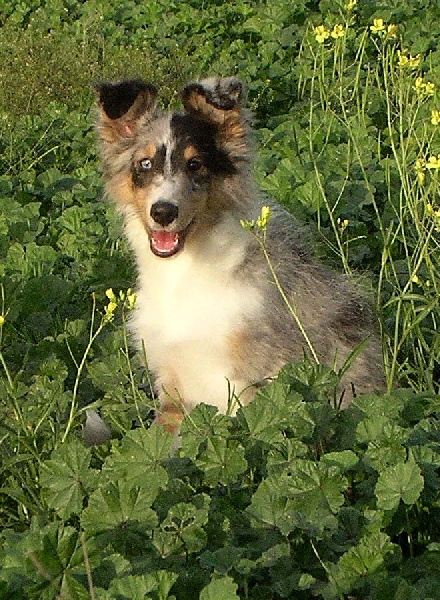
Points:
point(292, 498)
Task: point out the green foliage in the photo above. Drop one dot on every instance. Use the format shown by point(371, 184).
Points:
point(293, 513)
point(66, 477)
point(291, 498)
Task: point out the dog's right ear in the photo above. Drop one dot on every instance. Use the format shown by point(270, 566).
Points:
point(124, 106)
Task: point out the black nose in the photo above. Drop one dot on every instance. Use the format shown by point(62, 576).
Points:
point(164, 212)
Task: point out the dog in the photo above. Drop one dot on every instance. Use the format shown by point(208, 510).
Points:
point(215, 320)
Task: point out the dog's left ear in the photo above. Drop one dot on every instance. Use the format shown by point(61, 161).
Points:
point(218, 101)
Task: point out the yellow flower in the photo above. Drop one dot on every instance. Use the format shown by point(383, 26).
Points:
point(2, 320)
point(337, 31)
point(408, 61)
point(429, 88)
point(392, 30)
point(264, 217)
point(110, 295)
point(433, 162)
point(109, 311)
point(128, 299)
point(435, 214)
point(321, 33)
point(378, 26)
point(414, 61)
point(343, 223)
point(403, 59)
point(131, 299)
point(424, 88)
point(419, 84)
point(262, 221)
point(416, 279)
point(351, 5)
point(420, 168)
point(435, 117)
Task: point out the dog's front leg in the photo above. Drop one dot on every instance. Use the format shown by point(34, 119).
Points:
point(170, 415)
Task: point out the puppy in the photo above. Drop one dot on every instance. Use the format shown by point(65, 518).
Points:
point(210, 313)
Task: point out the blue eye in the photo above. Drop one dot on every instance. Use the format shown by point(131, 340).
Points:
point(145, 164)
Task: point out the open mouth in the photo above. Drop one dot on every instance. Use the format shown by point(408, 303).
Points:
point(167, 243)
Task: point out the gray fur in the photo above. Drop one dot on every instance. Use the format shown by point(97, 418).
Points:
point(333, 309)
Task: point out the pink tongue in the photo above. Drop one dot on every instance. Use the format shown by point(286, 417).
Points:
point(165, 240)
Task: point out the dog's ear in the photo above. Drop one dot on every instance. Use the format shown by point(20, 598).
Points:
point(123, 107)
point(218, 101)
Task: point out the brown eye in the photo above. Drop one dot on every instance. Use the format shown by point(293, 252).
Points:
point(145, 164)
point(195, 164)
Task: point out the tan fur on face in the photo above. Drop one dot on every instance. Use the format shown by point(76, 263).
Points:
point(190, 152)
point(121, 189)
point(127, 196)
point(148, 152)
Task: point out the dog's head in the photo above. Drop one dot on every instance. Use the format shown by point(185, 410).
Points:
point(172, 170)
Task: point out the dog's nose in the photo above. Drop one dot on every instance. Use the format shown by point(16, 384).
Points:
point(164, 212)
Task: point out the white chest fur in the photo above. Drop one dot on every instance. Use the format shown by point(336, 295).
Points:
point(188, 309)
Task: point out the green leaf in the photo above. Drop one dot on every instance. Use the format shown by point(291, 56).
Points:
point(66, 478)
point(117, 506)
point(261, 420)
point(222, 462)
point(71, 588)
point(269, 412)
point(285, 453)
point(403, 481)
point(222, 560)
point(276, 408)
point(381, 431)
point(136, 587)
point(360, 561)
point(315, 495)
point(165, 581)
point(110, 565)
point(203, 422)
point(138, 460)
point(269, 502)
point(45, 555)
point(373, 405)
point(345, 460)
point(308, 496)
point(183, 527)
point(384, 456)
point(132, 587)
point(220, 589)
point(270, 557)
